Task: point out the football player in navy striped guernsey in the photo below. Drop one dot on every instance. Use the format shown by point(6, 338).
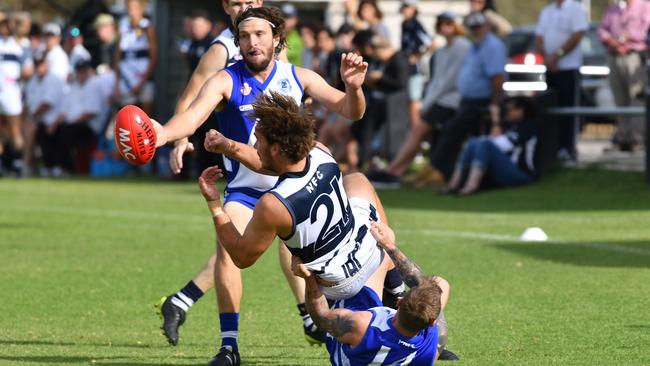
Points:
point(322, 217)
point(363, 332)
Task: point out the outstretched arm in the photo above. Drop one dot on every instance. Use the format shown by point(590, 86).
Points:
point(352, 103)
point(411, 272)
point(246, 248)
point(183, 124)
point(385, 237)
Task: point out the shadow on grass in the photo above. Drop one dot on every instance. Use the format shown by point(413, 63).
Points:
point(565, 190)
point(629, 254)
point(67, 360)
point(20, 342)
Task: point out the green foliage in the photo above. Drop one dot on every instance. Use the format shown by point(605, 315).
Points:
point(84, 261)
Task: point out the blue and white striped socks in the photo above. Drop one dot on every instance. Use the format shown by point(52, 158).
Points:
point(187, 296)
point(229, 324)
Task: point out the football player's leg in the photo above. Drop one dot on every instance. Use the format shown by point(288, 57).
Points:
point(174, 307)
point(357, 185)
point(227, 279)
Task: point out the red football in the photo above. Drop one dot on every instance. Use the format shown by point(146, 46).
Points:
point(135, 136)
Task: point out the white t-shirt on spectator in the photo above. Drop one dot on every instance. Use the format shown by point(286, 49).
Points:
point(557, 24)
point(47, 90)
point(86, 98)
point(57, 62)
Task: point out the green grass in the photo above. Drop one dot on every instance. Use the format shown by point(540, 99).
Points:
point(83, 262)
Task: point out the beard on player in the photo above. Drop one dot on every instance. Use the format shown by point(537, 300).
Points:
point(257, 60)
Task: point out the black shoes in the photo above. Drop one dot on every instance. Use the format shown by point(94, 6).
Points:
point(382, 179)
point(447, 355)
point(313, 335)
point(173, 317)
point(225, 357)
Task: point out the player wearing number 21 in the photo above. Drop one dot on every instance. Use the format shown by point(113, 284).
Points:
point(323, 219)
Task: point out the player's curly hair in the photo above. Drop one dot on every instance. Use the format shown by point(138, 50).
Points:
point(271, 14)
point(420, 306)
point(281, 121)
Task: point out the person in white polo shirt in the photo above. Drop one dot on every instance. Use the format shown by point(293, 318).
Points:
point(43, 96)
point(12, 69)
point(560, 28)
point(80, 118)
point(56, 57)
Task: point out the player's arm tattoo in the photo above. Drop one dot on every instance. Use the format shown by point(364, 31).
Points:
point(336, 324)
point(410, 271)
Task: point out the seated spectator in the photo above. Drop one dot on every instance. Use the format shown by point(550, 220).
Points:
point(43, 96)
point(440, 103)
point(505, 158)
point(480, 83)
point(79, 122)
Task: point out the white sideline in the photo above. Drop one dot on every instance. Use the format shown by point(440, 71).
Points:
point(197, 218)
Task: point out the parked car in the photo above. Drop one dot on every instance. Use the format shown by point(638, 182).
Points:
point(526, 69)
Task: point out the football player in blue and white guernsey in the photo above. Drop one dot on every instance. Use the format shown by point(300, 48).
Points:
point(363, 332)
point(260, 34)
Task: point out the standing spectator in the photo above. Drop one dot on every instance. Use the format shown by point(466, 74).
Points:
point(43, 97)
point(391, 78)
point(57, 59)
point(498, 24)
point(506, 158)
point(201, 38)
point(559, 30)
point(308, 55)
point(294, 41)
point(106, 33)
point(73, 46)
point(367, 15)
point(439, 105)
point(79, 120)
point(623, 31)
point(13, 65)
point(136, 57)
point(480, 84)
point(415, 43)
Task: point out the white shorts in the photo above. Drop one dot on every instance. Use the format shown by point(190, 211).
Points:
point(363, 212)
point(416, 87)
point(11, 103)
point(145, 96)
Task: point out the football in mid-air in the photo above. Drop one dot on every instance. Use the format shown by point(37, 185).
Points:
point(135, 136)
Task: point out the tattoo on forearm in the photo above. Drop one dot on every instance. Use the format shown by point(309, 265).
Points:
point(410, 271)
point(338, 326)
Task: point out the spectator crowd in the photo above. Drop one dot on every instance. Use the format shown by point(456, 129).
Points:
point(439, 89)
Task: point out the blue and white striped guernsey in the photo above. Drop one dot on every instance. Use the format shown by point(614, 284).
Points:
point(382, 344)
point(227, 40)
point(235, 124)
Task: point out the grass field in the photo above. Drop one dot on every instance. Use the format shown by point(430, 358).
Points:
point(84, 261)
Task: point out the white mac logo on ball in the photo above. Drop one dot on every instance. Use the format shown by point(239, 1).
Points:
point(124, 140)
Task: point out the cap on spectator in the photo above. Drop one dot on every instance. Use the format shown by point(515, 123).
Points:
point(289, 10)
point(475, 19)
point(447, 15)
point(52, 29)
point(103, 20)
point(409, 3)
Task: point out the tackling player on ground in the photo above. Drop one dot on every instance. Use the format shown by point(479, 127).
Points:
point(363, 332)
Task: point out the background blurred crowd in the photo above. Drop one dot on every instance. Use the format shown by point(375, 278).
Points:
point(61, 83)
